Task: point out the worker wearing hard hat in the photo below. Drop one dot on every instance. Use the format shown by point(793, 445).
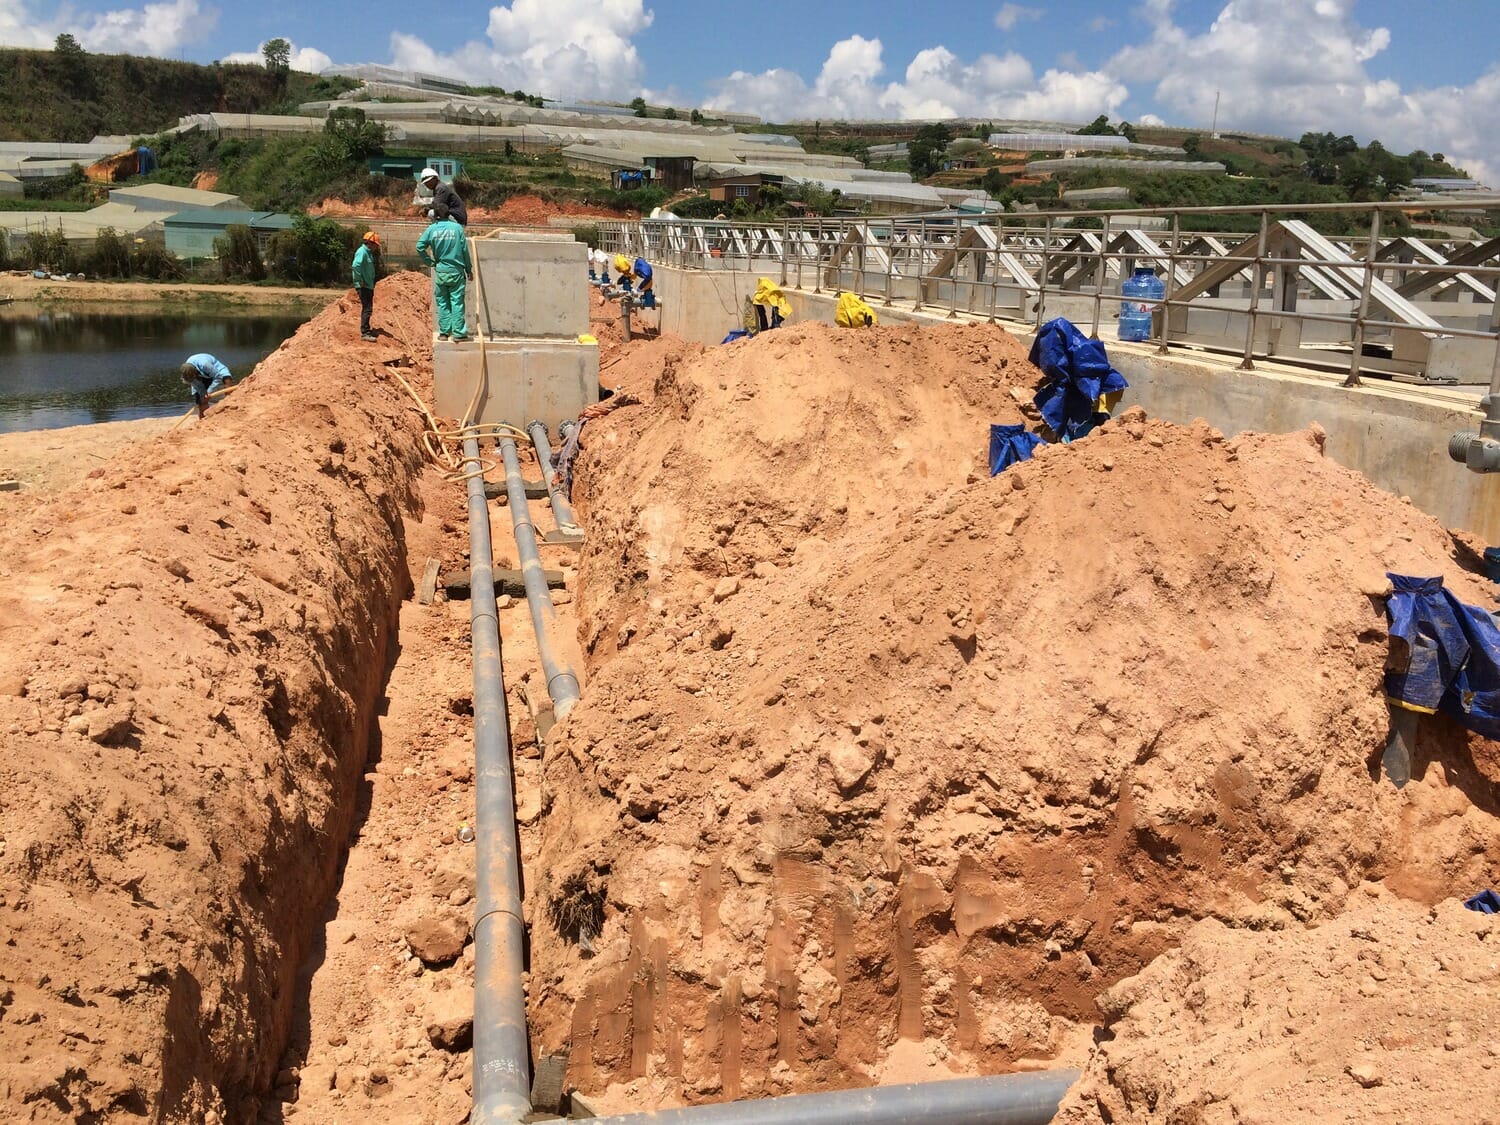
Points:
point(444, 248)
point(364, 271)
point(636, 274)
point(443, 195)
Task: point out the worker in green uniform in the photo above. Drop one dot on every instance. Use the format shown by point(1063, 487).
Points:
point(444, 248)
point(363, 271)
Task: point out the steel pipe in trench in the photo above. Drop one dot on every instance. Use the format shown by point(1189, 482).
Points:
point(1007, 1099)
point(502, 1082)
point(562, 684)
point(562, 511)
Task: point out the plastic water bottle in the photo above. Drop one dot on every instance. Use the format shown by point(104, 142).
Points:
point(1141, 291)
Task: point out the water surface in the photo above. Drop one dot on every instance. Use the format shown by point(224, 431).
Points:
point(69, 368)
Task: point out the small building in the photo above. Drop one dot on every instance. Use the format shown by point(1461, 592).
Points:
point(448, 168)
point(675, 173)
point(191, 234)
point(10, 187)
point(751, 188)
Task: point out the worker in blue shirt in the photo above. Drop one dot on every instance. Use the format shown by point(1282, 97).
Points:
point(444, 248)
point(205, 376)
point(639, 273)
point(363, 271)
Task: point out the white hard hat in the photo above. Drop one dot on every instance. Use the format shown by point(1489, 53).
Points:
point(426, 174)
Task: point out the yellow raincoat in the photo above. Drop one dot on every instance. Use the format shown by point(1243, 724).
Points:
point(851, 312)
point(770, 295)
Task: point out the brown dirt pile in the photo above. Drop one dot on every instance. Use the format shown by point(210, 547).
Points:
point(878, 748)
point(192, 644)
point(518, 210)
point(1385, 1014)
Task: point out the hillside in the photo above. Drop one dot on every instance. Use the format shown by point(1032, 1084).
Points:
point(73, 96)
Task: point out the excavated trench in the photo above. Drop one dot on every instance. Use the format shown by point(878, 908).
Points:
point(884, 770)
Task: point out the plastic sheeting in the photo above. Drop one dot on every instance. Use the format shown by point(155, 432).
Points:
point(1010, 445)
point(1079, 376)
point(1445, 656)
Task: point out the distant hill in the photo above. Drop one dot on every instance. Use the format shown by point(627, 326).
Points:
point(47, 96)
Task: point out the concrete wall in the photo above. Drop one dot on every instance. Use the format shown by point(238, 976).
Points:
point(1395, 434)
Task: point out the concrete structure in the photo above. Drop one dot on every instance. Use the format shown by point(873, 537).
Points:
point(527, 361)
point(191, 234)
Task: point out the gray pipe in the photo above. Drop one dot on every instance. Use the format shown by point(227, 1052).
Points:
point(562, 684)
point(502, 1082)
point(562, 511)
point(1008, 1099)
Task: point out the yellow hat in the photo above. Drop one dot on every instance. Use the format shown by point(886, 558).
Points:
point(622, 264)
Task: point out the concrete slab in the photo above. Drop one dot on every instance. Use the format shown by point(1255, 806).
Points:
point(533, 286)
point(517, 379)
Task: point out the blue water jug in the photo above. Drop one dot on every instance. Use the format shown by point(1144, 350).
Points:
point(1141, 291)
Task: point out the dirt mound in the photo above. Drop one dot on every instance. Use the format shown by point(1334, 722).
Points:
point(518, 210)
point(192, 644)
point(1381, 1015)
point(877, 748)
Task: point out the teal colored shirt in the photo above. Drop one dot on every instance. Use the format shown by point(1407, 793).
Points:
point(443, 245)
point(364, 268)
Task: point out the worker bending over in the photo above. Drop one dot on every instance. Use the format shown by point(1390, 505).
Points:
point(637, 275)
point(205, 377)
point(444, 247)
point(443, 196)
point(364, 271)
point(598, 267)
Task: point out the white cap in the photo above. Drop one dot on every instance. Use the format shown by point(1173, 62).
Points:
point(426, 174)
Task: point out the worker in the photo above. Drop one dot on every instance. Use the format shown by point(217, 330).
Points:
point(364, 271)
point(851, 312)
point(205, 377)
point(771, 306)
point(444, 247)
point(443, 195)
point(631, 273)
point(598, 267)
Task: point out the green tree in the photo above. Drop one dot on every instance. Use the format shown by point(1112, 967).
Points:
point(68, 47)
point(924, 151)
point(639, 105)
point(1098, 127)
point(278, 56)
point(670, 114)
point(350, 137)
point(314, 251)
point(993, 182)
point(696, 117)
point(1127, 130)
point(1192, 144)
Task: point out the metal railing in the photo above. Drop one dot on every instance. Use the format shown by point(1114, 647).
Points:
point(1418, 309)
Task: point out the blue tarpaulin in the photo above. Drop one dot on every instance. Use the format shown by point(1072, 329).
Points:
point(1485, 902)
point(1078, 376)
point(1451, 661)
point(1010, 445)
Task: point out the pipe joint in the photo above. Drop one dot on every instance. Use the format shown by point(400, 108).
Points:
point(1479, 453)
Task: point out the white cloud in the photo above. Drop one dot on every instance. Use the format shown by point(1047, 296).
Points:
point(935, 84)
point(553, 47)
point(153, 29)
point(1289, 67)
point(1011, 14)
point(308, 59)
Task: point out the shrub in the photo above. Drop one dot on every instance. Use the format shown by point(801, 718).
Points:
point(151, 260)
point(239, 256)
point(588, 234)
point(111, 256)
point(48, 250)
point(313, 252)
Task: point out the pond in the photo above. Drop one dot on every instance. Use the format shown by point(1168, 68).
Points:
point(69, 368)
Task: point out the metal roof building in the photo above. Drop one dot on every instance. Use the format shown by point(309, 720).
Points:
point(165, 197)
point(191, 234)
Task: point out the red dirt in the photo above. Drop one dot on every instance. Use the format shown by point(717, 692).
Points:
point(884, 770)
point(878, 749)
point(191, 647)
point(1383, 1014)
point(518, 210)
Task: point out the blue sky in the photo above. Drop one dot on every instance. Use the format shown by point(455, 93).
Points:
point(1412, 75)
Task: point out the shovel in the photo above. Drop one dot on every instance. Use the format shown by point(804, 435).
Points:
point(1399, 746)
